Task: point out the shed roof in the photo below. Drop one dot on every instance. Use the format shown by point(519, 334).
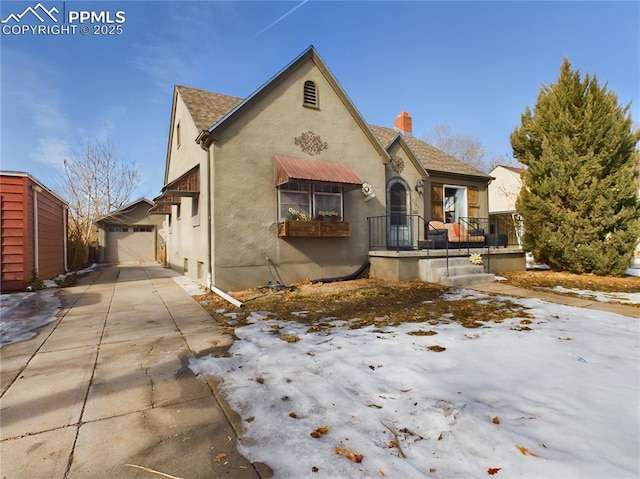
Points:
point(288, 169)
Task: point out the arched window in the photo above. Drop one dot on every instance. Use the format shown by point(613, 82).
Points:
point(310, 94)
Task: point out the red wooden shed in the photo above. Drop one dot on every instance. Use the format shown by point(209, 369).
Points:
point(33, 231)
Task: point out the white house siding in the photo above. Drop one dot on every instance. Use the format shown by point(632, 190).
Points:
point(504, 190)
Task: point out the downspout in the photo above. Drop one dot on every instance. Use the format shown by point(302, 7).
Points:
point(209, 239)
point(36, 256)
point(65, 217)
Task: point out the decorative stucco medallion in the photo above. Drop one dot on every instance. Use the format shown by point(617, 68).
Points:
point(310, 143)
point(397, 164)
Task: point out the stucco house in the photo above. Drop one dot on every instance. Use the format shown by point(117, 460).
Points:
point(130, 234)
point(33, 231)
point(503, 193)
point(291, 183)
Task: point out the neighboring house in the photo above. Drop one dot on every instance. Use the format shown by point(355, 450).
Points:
point(131, 235)
point(240, 172)
point(34, 231)
point(503, 193)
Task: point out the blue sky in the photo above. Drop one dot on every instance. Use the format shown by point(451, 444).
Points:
point(472, 66)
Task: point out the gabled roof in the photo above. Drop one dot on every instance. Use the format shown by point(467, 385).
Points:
point(433, 159)
point(206, 108)
point(213, 131)
point(123, 209)
point(515, 169)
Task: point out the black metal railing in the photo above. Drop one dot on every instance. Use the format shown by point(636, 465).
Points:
point(398, 232)
point(395, 232)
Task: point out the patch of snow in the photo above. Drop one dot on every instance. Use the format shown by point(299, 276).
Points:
point(23, 313)
point(558, 401)
point(600, 296)
point(190, 286)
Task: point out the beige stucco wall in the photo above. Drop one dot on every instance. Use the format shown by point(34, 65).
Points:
point(504, 190)
point(186, 236)
point(246, 248)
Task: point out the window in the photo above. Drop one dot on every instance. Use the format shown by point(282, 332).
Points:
point(178, 139)
point(199, 269)
point(143, 229)
point(118, 229)
point(306, 200)
point(455, 203)
point(310, 94)
point(178, 211)
point(195, 210)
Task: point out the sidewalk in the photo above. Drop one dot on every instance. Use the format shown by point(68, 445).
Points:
point(501, 288)
point(106, 387)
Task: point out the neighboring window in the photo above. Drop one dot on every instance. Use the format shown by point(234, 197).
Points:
point(178, 211)
point(310, 94)
point(118, 229)
point(169, 223)
point(178, 139)
point(306, 200)
point(143, 229)
point(185, 264)
point(195, 210)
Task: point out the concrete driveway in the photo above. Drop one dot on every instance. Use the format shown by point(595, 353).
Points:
point(105, 391)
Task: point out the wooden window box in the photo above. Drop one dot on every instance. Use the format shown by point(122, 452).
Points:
point(314, 229)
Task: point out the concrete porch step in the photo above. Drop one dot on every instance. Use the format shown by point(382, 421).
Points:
point(466, 279)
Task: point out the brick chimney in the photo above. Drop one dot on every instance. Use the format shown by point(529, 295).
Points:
point(403, 123)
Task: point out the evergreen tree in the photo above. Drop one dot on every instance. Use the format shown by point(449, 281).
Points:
point(579, 200)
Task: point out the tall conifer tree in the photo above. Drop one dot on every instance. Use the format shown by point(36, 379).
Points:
point(579, 200)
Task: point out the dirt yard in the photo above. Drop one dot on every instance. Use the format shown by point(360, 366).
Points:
point(373, 302)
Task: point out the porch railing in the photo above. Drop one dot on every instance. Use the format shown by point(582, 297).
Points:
point(409, 232)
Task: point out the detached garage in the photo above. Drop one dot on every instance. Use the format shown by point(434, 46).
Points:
point(130, 234)
point(33, 229)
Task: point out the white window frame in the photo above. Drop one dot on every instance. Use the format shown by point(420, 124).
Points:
point(460, 213)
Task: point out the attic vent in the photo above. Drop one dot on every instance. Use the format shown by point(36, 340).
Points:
point(310, 94)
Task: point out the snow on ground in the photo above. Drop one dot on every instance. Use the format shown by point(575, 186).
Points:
point(23, 313)
point(557, 401)
point(600, 296)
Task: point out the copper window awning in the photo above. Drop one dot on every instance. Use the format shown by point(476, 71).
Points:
point(186, 185)
point(160, 210)
point(288, 169)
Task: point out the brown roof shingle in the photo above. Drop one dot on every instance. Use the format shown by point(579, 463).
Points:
point(206, 107)
point(431, 158)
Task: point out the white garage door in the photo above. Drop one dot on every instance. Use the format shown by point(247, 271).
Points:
point(130, 244)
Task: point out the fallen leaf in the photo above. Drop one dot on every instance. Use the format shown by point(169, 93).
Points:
point(377, 406)
point(432, 469)
point(321, 431)
point(339, 451)
point(493, 470)
point(220, 457)
point(526, 451)
point(437, 349)
point(355, 457)
point(382, 473)
point(314, 469)
point(495, 420)
point(293, 415)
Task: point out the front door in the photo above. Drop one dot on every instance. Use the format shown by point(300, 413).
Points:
point(398, 220)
